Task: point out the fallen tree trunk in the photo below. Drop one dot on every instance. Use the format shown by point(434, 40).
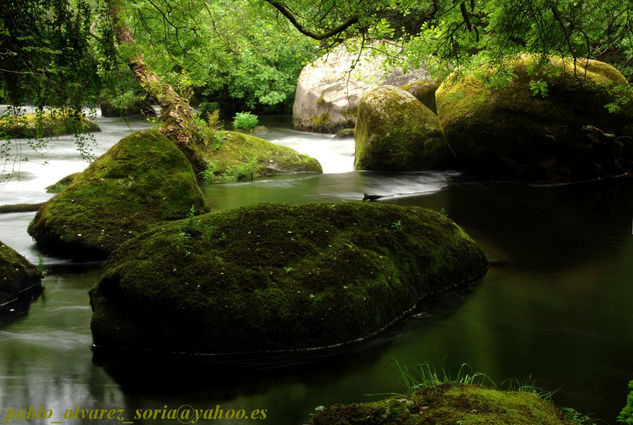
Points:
point(15, 208)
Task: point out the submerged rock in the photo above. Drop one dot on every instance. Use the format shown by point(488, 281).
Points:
point(142, 180)
point(46, 124)
point(329, 89)
point(535, 127)
point(17, 275)
point(448, 404)
point(139, 107)
point(396, 132)
point(235, 156)
point(277, 277)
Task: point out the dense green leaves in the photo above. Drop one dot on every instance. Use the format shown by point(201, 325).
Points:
point(44, 52)
point(222, 50)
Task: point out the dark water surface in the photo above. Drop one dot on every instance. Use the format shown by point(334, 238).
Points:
point(557, 304)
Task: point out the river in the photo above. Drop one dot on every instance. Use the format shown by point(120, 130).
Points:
point(556, 304)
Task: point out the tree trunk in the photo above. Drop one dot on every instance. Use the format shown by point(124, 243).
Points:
point(176, 118)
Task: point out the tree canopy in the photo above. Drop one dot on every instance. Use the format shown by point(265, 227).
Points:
point(251, 51)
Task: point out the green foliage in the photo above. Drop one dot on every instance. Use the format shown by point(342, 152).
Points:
point(538, 88)
point(208, 174)
point(45, 53)
point(626, 415)
point(241, 172)
point(576, 417)
point(622, 95)
point(235, 49)
point(245, 121)
point(207, 108)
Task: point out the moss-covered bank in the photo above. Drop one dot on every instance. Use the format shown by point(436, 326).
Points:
point(234, 156)
point(47, 124)
point(550, 122)
point(17, 275)
point(277, 277)
point(448, 404)
point(142, 180)
point(396, 132)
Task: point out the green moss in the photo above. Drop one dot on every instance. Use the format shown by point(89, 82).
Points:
point(277, 277)
point(321, 122)
point(46, 124)
point(16, 274)
point(508, 130)
point(244, 157)
point(424, 91)
point(320, 101)
point(142, 180)
point(62, 183)
point(448, 404)
point(395, 132)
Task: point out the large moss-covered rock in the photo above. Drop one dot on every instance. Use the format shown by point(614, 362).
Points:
point(237, 156)
point(548, 123)
point(396, 132)
point(424, 91)
point(17, 275)
point(142, 180)
point(277, 277)
point(448, 404)
point(329, 89)
point(139, 107)
point(46, 124)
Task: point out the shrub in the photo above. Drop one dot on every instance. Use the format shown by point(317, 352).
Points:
point(208, 108)
point(245, 121)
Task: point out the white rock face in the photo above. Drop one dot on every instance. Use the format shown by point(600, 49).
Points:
point(329, 89)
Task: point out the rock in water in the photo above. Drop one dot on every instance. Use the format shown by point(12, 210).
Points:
point(46, 124)
point(532, 127)
point(329, 89)
point(277, 277)
point(235, 156)
point(396, 132)
point(17, 275)
point(142, 180)
point(448, 404)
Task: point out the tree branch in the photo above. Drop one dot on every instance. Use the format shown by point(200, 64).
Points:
point(284, 10)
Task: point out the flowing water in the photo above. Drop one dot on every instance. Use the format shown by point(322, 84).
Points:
point(556, 304)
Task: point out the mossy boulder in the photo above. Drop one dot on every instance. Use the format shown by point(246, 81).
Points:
point(46, 124)
point(329, 89)
point(424, 91)
point(396, 132)
point(550, 122)
point(139, 107)
point(234, 156)
point(17, 275)
point(142, 180)
point(277, 277)
point(448, 404)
